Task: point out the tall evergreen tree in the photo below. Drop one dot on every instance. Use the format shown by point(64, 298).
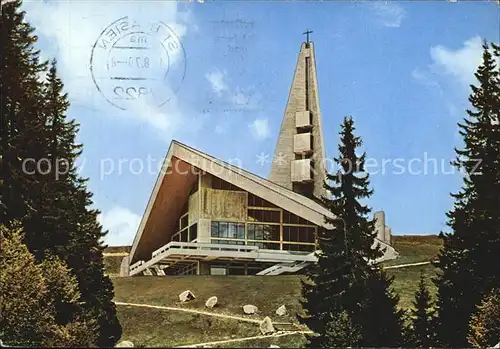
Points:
point(344, 281)
point(470, 257)
point(421, 330)
point(29, 295)
point(50, 200)
point(484, 329)
point(72, 227)
point(22, 120)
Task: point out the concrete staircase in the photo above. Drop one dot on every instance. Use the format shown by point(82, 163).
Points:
point(281, 268)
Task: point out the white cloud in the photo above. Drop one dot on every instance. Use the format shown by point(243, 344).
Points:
point(216, 78)
point(455, 65)
point(121, 224)
point(389, 14)
point(72, 28)
point(425, 78)
point(260, 129)
point(460, 63)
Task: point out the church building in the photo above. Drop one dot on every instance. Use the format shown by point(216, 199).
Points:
point(208, 217)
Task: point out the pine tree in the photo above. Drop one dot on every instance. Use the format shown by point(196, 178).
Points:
point(484, 327)
point(70, 226)
point(470, 256)
point(29, 294)
point(421, 330)
point(22, 120)
point(380, 318)
point(344, 280)
point(51, 201)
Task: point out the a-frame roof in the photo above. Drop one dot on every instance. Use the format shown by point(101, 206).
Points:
point(176, 178)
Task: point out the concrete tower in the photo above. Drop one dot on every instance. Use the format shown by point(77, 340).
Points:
point(380, 225)
point(299, 158)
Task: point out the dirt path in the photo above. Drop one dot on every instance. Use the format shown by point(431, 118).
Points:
point(239, 318)
point(288, 333)
point(407, 265)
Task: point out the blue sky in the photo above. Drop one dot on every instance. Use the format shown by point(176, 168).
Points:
point(400, 69)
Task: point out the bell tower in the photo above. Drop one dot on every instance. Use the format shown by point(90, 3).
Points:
point(299, 158)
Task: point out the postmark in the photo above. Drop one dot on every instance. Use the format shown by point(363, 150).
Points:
point(137, 62)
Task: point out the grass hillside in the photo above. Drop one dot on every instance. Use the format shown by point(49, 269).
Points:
point(415, 248)
point(163, 328)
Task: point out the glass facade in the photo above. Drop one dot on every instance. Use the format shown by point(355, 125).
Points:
point(186, 233)
point(267, 226)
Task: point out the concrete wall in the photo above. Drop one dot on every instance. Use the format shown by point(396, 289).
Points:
point(124, 266)
point(380, 225)
point(281, 169)
point(223, 204)
point(194, 207)
point(203, 230)
point(384, 233)
point(388, 235)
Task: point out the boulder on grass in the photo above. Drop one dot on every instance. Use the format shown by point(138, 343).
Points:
point(186, 296)
point(281, 311)
point(125, 344)
point(266, 326)
point(250, 309)
point(211, 302)
point(274, 346)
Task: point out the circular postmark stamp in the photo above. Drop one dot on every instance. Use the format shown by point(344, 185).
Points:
point(136, 62)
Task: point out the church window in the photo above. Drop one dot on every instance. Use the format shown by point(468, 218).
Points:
point(255, 201)
point(259, 233)
point(184, 222)
point(251, 231)
point(240, 233)
point(221, 184)
point(290, 218)
point(271, 232)
point(184, 235)
point(231, 232)
point(268, 216)
point(223, 230)
point(193, 232)
point(215, 229)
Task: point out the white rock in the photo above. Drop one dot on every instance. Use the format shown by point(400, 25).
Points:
point(186, 296)
point(497, 346)
point(281, 311)
point(274, 346)
point(211, 302)
point(250, 309)
point(266, 326)
point(125, 344)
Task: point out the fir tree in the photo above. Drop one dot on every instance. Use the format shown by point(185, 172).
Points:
point(421, 317)
point(381, 321)
point(470, 256)
point(71, 227)
point(344, 281)
point(484, 326)
point(22, 120)
point(30, 294)
point(51, 201)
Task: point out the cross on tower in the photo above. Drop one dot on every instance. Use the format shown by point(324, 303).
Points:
point(307, 32)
